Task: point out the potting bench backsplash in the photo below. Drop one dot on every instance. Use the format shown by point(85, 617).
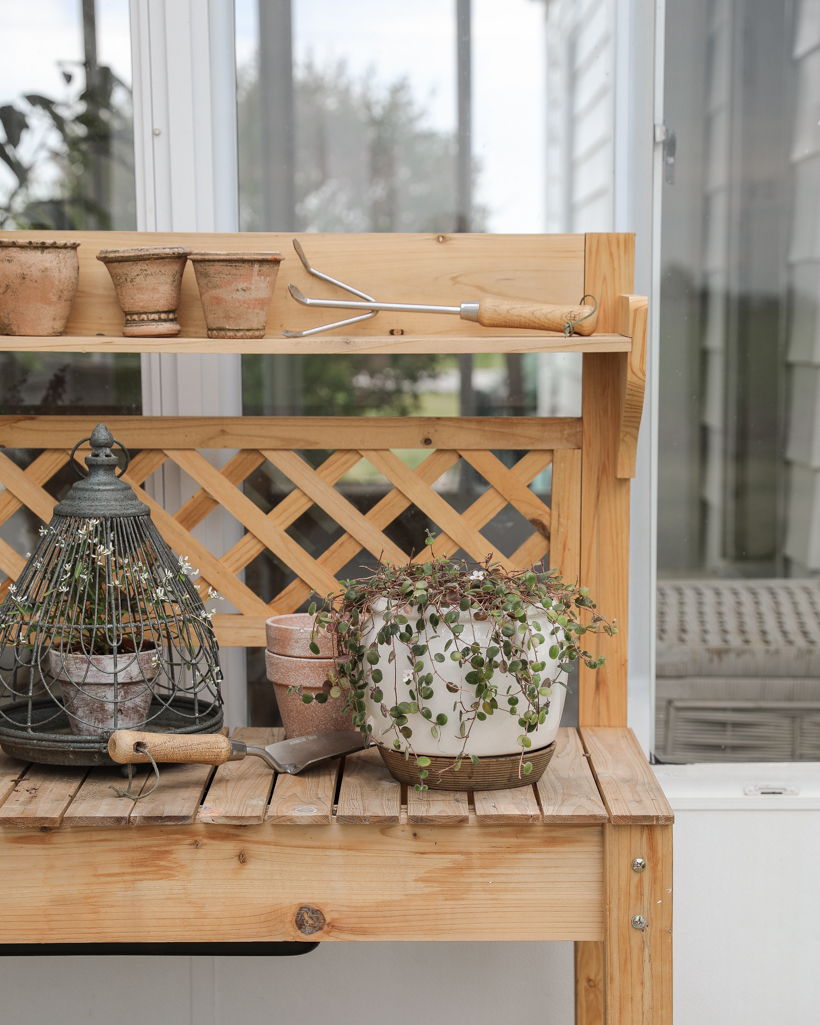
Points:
point(585, 530)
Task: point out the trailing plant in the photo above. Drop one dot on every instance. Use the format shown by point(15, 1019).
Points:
point(501, 670)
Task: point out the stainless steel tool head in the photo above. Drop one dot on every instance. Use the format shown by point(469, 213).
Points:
point(293, 756)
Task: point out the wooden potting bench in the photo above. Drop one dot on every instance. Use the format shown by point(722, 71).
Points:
point(342, 853)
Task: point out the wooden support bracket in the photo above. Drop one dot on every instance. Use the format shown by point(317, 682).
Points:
point(632, 319)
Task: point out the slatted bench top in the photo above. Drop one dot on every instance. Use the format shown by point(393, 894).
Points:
point(352, 791)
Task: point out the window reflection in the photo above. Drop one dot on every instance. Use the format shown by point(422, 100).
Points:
point(737, 470)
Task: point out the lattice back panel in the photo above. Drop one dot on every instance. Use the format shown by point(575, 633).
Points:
point(178, 440)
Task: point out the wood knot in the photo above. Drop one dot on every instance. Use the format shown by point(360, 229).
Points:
point(242, 857)
point(541, 527)
point(396, 330)
point(427, 441)
point(591, 983)
point(309, 920)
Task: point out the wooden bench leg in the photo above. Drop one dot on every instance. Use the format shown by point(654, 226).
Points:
point(589, 982)
point(638, 956)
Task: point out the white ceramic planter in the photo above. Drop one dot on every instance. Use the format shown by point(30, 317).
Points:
point(87, 686)
point(498, 734)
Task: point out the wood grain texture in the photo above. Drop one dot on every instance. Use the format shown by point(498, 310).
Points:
point(240, 791)
point(252, 517)
point(227, 883)
point(514, 490)
point(41, 797)
point(11, 770)
point(632, 316)
point(630, 791)
point(97, 804)
point(299, 432)
point(438, 269)
point(334, 504)
point(176, 800)
point(306, 799)
point(638, 969)
point(609, 268)
point(382, 514)
point(431, 503)
point(201, 748)
point(323, 345)
point(565, 540)
point(516, 805)
point(39, 472)
point(24, 488)
point(446, 807)
point(589, 983)
point(602, 698)
point(567, 790)
point(368, 793)
point(201, 504)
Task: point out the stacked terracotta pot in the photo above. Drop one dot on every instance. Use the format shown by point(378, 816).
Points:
point(295, 672)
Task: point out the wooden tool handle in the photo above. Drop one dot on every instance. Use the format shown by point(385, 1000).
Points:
point(203, 748)
point(537, 316)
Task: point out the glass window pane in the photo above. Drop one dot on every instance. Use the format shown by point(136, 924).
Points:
point(66, 162)
point(738, 516)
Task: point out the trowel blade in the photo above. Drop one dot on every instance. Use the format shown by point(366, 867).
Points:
point(292, 756)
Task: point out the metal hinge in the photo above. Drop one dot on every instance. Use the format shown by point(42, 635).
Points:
point(666, 138)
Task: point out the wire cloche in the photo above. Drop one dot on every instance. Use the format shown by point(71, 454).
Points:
point(104, 629)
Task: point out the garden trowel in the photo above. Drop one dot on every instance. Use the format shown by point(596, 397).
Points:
point(291, 756)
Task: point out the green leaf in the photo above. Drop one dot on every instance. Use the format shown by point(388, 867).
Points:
point(307, 698)
point(434, 731)
point(423, 761)
point(376, 676)
point(321, 698)
point(312, 609)
point(335, 692)
point(441, 719)
point(464, 604)
point(554, 651)
point(314, 647)
point(378, 695)
point(475, 759)
point(527, 768)
point(372, 657)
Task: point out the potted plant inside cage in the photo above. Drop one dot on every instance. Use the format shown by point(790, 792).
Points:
point(100, 620)
point(457, 671)
point(105, 617)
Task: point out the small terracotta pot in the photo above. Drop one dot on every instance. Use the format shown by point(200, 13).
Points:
point(38, 282)
point(87, 686)
point(290, 635)
point(236, 291)
point(148, 281)
point(311, 676)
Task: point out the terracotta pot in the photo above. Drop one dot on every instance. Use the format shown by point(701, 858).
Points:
point(236, 291)
point(87, 685)
point(311, 676)
point(290, 635)
point(38, 282)
point(148, 281)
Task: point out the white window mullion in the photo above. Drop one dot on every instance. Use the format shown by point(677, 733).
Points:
point(186, 158)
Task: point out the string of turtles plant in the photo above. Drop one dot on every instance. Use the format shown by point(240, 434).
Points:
point(501, 674)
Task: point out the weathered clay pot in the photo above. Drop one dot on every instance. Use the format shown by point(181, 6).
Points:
point(87, 685)
point(148, 281)
point(310, 675)
point(38, 282)
point(236, 291)
point(290, 635)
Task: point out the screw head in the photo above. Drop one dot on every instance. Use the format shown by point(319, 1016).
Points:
point(638, 922)
point(638, 864)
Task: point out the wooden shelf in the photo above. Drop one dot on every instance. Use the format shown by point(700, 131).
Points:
point(322, 344)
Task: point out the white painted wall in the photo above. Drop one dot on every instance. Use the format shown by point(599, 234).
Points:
point(342, 984)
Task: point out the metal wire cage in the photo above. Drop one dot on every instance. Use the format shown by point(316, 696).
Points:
point(104, 629)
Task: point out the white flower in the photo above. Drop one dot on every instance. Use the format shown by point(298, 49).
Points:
point(214, 594)
point(408, 676)
point(159, 594)
point(477, 574)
